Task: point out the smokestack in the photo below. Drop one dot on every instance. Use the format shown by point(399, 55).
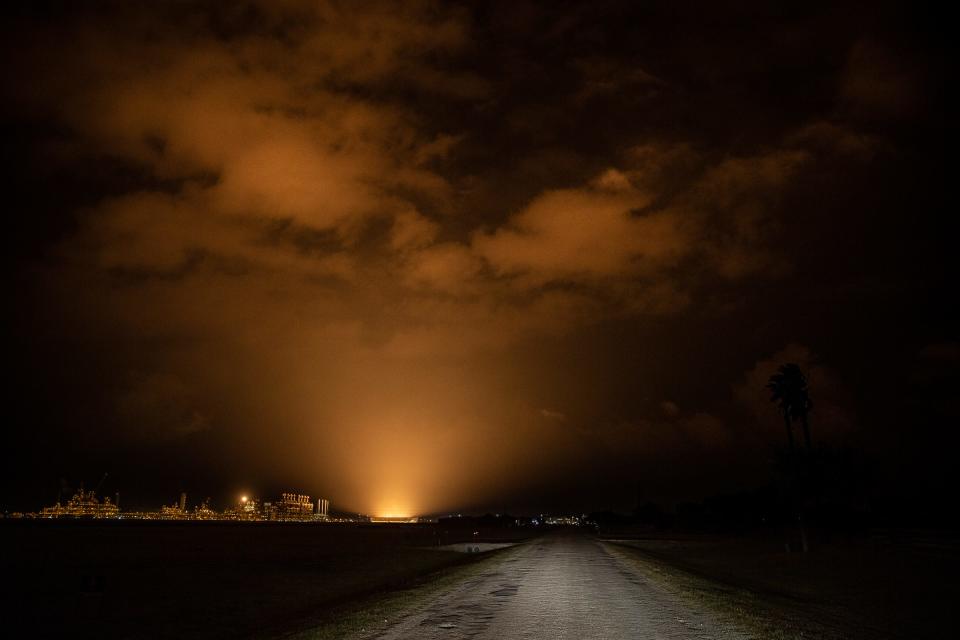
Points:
point(183, 501)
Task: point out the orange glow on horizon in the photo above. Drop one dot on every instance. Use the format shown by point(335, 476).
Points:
point(394, 508)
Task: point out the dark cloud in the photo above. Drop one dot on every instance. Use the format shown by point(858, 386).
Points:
point(159, 406)
point(453, 243)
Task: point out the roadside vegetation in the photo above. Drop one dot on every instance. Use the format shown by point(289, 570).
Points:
point(369, 616)
point(218, 580)
point(842, 590)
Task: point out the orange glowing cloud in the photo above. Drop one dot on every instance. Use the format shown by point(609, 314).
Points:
point(308, 273)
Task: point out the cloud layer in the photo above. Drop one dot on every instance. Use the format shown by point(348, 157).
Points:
point(350, 238)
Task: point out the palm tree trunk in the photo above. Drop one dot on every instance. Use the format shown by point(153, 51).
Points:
point(806, 429)
point(786, 421)
point(803, 535)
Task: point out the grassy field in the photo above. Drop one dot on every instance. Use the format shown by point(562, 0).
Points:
point(843, 589)
point(216, 580)
point(364, 617)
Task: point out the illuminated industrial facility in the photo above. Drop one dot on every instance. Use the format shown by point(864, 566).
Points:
point(83, 504)
point(290, 507)
point(293, 506)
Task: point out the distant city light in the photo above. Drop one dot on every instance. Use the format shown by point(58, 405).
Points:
point(243, 498)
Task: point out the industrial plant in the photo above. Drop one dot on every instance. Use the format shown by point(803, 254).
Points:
point(289, 507)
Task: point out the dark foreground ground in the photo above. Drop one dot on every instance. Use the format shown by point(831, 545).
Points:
point(266, 580)
point(882, 585)
point(673, 587)
point(206, 580)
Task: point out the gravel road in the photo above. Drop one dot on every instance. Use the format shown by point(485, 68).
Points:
point(559, 587)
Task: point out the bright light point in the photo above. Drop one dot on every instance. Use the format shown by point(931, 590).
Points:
point(243, 498)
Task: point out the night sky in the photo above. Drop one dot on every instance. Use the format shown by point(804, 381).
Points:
point(422, 257)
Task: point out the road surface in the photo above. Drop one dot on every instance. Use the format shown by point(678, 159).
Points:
point(559, 587)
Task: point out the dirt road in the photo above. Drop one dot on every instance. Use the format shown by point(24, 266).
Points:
point(559, 587)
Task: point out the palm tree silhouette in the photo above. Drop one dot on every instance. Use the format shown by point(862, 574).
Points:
point(788, 387)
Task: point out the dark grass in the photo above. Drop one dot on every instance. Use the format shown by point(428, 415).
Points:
point(204, 580)
point(850, 588)
point(368, 616)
